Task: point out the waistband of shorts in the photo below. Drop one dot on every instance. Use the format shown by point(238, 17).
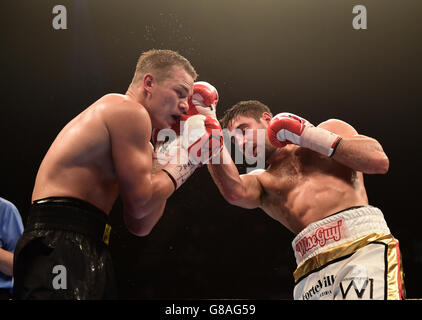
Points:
point(337, 229)
point(69, 214)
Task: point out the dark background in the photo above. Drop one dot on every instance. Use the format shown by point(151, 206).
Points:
point(298, 56)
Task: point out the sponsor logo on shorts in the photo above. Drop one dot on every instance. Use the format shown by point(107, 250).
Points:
point(349, 288)
point(321, 288)
point(359, 285)
point(320, 237)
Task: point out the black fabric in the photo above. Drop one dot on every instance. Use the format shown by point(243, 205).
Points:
point(61, 254)
point(5, 294)
point(77, 216)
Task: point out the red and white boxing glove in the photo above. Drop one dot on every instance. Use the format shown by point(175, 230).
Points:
point(203, 100)
point(287, 128)
point(164, 146)
point(169, 156)
point(200, 140)
point(202, 136)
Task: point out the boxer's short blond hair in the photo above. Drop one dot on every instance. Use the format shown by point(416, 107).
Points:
point(249, 108)
point(160, 63)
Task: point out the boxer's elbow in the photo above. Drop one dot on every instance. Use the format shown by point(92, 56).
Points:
point(143, 232)
point(135, 210)
point(383, 164)
point(137, 205)
point(136, 226)
point(139, 232)
point(372, 158)
point(379, 163)
point(234, 196)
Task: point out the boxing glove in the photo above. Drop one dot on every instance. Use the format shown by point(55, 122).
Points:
point(287, 128)
point(203, 100)
point(200, 139)
point(202, 136)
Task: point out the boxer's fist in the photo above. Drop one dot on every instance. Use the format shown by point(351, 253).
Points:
point(172, 158)
point(203, 138)
point(287, 128)
point(165, 152)
point(159, 137)
point(204, 100)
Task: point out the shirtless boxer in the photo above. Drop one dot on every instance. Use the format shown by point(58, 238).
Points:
point(102, 153)
point(314, 186)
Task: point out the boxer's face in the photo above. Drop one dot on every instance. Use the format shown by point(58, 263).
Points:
point(250, 136)
point(169, 98)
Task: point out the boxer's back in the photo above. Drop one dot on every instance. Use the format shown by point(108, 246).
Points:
point(79, 163)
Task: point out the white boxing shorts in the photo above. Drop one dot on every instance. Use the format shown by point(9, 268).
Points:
point(348, 256)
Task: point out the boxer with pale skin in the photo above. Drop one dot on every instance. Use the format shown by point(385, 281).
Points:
point(314, 186)
point(105, 150)
point(103, 153)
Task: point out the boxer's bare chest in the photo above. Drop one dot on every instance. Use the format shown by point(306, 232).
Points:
point(292, 167)
point(300, 179)
point(296, 166)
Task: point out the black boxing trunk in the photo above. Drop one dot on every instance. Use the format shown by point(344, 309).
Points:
point(63, 253)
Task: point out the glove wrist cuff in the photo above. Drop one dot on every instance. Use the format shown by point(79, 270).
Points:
point(180, 168)
point(320, 140)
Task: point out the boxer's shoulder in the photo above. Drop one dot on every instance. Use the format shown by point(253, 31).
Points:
point(256, 171)
point(122, 112)
point(257, 175)
point(118, 102)
point(338, 126)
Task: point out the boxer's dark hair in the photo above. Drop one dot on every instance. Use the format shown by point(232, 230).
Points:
point(160, 63)
point(249, 108)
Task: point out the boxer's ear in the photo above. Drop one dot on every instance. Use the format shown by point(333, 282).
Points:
point(148, 82)
point(266, 117)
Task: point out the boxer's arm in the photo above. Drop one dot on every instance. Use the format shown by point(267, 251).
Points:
point(143, 193)
point(240, 190)
point(142, 227)
point(355, 151)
